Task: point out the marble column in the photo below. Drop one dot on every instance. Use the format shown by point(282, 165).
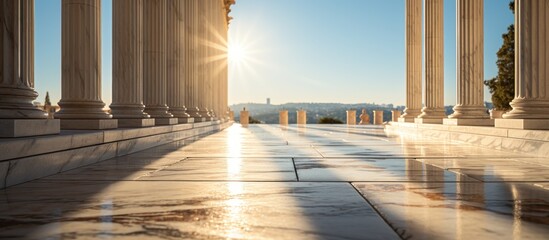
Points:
point(301, 117)
point(395, 115)
point(351, 117)
point(176, 81)
point(202, 27)
point(378, 117)
point(127, 70)
point(469, 109)
point(413, 60)
point(81, 104)
point(154, 62)
point(283, 117)
point(433, 112)
point(18, 115)
point(531, 103)
point(244, 117)
point(191, 61)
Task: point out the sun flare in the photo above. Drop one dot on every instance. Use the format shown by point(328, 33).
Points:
point(236, 53)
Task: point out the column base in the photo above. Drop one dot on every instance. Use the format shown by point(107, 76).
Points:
point(136, 122)
point(468, 121)
point(88, 124)
point(428, 120)
point(185, 120)
point(406, 120)
point(166, 121)
point(199, 119)
point(10, 128)
point(526, 124)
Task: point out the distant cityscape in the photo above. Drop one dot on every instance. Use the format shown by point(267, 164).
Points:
point(268, 113)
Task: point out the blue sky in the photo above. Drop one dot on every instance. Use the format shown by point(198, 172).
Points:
point(347, 51)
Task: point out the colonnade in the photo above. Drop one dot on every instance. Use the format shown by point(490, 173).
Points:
point(531, 103)
point(169, 65)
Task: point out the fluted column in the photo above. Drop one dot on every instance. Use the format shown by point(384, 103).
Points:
point(531, 103)
point(413, 60)
point(17, 73)
point(81, 104)
point(433, 112)
point(154, 61)
point(127, 70)
point(191, 63)
point(469, 108)
point(202, 27)
point(176, 81)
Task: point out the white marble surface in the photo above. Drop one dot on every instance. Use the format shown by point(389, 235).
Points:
point(194, 210)
point(29, 168)
point(463, 210)
point(289, 182)
point(77, 148)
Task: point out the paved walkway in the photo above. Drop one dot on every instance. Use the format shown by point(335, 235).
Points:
point(264, 182)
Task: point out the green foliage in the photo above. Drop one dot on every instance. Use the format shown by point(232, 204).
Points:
point(253, 120)
point(502, 87)
point(47, 101)
point(329, 120)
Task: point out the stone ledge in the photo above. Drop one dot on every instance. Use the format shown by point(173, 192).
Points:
point(468, 122)
point(428, 120)
point(525, 124)
point(28, 127)
point(67, 139)
point(22, 167)
point(165, 121)
point(89, 124)
point(135, 122)
point(529, 142)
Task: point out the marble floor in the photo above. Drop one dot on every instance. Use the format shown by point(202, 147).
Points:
point(272, 182)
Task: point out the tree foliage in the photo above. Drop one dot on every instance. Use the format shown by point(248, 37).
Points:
point(252, 120)
point(47, 100)
point(502, 87)
point(329, 120)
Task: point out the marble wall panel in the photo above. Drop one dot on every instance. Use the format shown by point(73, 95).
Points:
point(23, 147)
point(3, 173)
point(491, 131)
point(30, 168)
point(538, 148)
point(479, 140)
point(529, 134)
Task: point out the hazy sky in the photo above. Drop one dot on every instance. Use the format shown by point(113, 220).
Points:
point(346, 51)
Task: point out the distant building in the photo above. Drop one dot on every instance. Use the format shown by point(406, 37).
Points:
point(268, 101)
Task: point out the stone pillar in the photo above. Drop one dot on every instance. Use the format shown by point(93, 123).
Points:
point(433, 112)
point(127, 65)
point(244, 117)
point(18, 115)
point(176, 82)
point(395, 114)
point(283, 117)
point(351, 117)
point(231, 115)
point(531, 103)
point(301, 117)
point(200, 31)
point(413, 60)
point(81, 104)
point(191, 59)
point(154, 62)
point(378, 117)
point(469, 109)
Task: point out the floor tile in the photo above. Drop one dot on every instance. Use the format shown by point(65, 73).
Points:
point(189, 210)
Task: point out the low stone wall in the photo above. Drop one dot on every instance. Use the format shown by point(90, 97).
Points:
point(531, 142)
point(25, 159)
